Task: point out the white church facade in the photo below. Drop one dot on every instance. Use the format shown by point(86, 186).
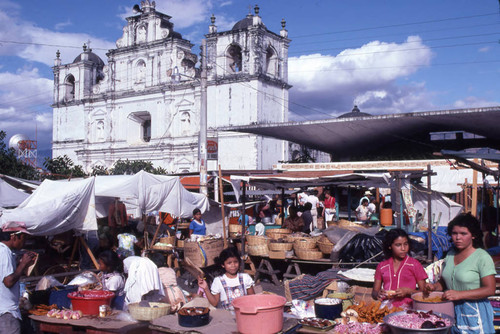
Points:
point(132, 108)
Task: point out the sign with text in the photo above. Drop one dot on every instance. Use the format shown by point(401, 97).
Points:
point(212, 148)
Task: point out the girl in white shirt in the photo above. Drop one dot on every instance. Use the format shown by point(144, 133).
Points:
point(231, 284)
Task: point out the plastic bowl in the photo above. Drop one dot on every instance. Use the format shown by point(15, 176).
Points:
point(446, 306)
point(89, 301)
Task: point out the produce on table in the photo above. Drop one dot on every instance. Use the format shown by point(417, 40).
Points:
point(64, 314)
point(418, 319)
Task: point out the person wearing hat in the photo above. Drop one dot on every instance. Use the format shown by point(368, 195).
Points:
point(366, 196)
point(13, 238)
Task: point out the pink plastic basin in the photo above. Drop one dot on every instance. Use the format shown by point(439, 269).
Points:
point(259, 314)
point(446, 307)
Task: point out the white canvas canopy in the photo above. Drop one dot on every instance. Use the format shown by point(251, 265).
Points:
point(10, 196)
point(440, 205)
point(60, 206)
point(149, 192)
point(56, 207)
point(450, 180)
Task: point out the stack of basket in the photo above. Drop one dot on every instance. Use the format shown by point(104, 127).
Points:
point(257, 245)
point(278, 248)
point(165, 243)
point(278, 233)
point(325, 245)
point(305, 249)
point(235, 230)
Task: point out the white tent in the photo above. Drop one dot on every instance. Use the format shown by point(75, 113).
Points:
point(56, 207)
point(59, 206)
point(10, 196)
point(440, 204)
point(149, 192)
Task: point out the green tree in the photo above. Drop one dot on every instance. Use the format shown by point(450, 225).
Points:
point(99, 170)
point(11, 165)
point(63, 167)
point(131, 167)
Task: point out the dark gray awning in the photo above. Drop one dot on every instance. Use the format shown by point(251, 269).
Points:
point(352, 137)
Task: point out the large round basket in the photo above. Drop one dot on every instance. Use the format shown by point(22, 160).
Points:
point(280, 246)
point(258, 250)
point(254, 240)
point(306, 243)
point(145, 313)
point(308, 254)
point(277, 233)
point(168, 240)
point(325, 247)
point(292, 237)
point(235, 230)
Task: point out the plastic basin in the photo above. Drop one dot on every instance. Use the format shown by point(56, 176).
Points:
point(89, 301)
point(446, 307)
point(259, 314)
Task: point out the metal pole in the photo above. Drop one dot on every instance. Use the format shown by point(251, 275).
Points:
point(202, 140)
point(429, 214)
point(243, 204)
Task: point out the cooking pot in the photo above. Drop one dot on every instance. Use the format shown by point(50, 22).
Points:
point(194, 320)
point(328, 308)
point(267, 221)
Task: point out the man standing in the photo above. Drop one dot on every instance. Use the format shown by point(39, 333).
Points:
point(13, 237)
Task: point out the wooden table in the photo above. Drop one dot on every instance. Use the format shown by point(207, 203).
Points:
point(90, 325)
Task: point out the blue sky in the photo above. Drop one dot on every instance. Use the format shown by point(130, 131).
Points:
point(386, 56)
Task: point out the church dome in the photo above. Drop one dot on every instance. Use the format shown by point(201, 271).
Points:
point(354, 113)
point(92, 57)
point(245, 23)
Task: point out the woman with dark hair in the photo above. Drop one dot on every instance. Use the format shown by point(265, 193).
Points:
point(111, 267)
point(293, 221)
point(469, 277)
point(197, 225)
point(397, 277)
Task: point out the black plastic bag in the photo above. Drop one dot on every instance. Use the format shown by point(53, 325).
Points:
point(361, 248)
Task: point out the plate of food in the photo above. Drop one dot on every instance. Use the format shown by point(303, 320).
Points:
point(317, 323)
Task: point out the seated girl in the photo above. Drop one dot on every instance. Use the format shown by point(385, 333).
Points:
point(111, 277)
point(231, 285)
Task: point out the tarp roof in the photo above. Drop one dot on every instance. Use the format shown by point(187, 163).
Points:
point(356, 137)
point(10, 196)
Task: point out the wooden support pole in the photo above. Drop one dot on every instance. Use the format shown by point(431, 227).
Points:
point(221, 192)
point(474, 192)
point(92, 257)
point(429, 214)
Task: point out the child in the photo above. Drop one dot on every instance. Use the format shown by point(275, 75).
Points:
point(229, 286)
point(197, 225)
point(111, 278)
point(397, 277)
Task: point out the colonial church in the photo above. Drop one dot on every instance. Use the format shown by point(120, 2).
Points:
point(144, 103)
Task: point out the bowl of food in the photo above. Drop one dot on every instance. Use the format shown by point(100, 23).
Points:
point(194, 316)
point(434, 301)
point(417, 322)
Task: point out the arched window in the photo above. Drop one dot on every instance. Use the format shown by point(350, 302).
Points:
point(234, 59)
point(271, 62)
point(69, 85)
point(141, 34)
point(185, 119)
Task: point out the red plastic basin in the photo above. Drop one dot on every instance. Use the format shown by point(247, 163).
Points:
point(89, 301)
point(259, 314)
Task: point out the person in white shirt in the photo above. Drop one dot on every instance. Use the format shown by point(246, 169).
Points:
point(13, 238)
point(231, 285)
point(314, 200)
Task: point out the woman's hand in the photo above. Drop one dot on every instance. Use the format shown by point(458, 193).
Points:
point(452, 295)
point(382, 295)
point(202, 283)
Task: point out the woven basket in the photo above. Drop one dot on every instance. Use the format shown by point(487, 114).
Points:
point(155, 310)
point(302, 244)
point(277, 233)
point(258, 250)
point(325, 247)
point(164, 248)
point(308, 254)
point(292, 237)
point(280, 246)
point(168, 240)
point(235, 230)
point(254, 240)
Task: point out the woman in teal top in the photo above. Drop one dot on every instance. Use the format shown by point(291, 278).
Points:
point(469, 277)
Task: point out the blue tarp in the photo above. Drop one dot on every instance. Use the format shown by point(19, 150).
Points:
point(441, 242)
